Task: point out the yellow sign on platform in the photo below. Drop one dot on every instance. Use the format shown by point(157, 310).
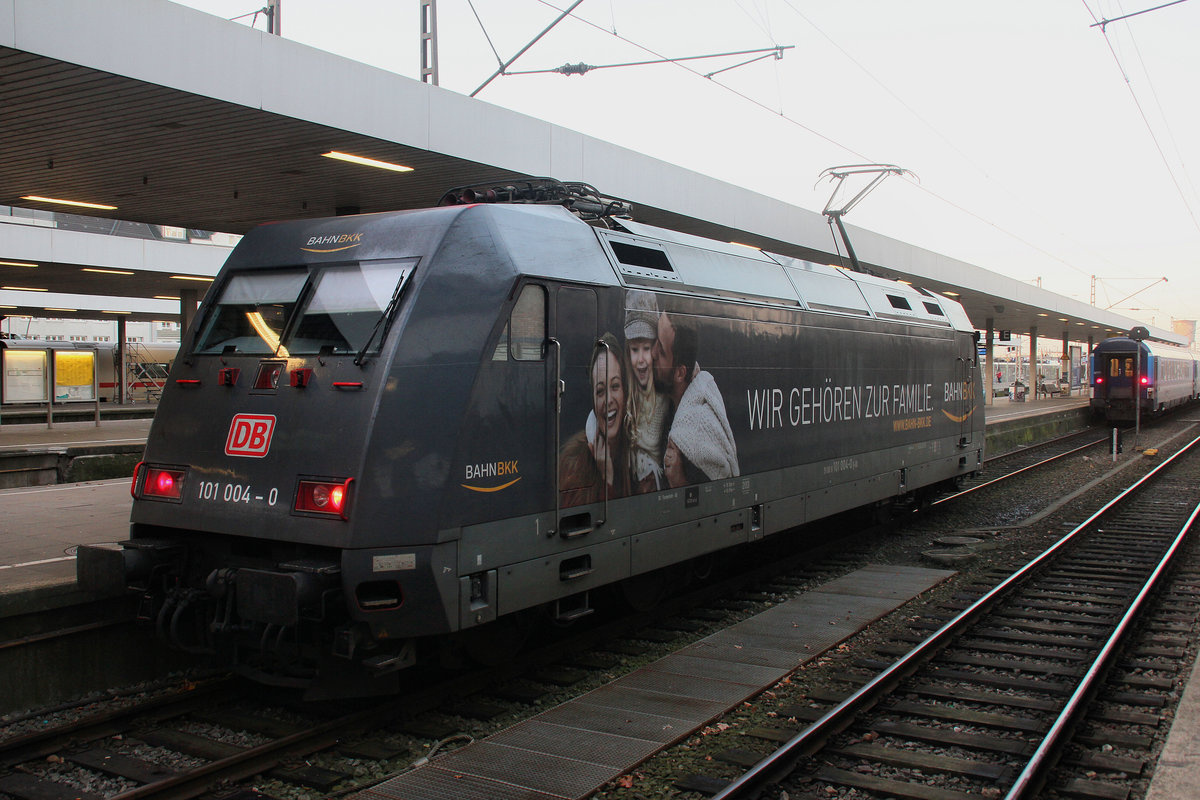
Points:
point(74, 375)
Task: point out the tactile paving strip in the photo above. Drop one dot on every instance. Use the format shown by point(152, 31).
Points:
point(571, 750)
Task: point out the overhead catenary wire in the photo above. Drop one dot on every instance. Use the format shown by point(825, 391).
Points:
point(1104, 23)
point(1162, 113)
point(1021, 200)
point(842, 146)
point(525, 49)
point(486, 35)
point(1154, 94)
point(1139, 291)
point(1000, 229)
point(1142, 112)
point(727, 88)
point(580, 69)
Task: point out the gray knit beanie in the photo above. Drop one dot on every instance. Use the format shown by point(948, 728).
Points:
point(641, 315)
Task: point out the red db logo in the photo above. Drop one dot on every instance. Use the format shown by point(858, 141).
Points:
point(250, 435)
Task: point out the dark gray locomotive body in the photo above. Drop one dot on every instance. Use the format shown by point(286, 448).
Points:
point(389, 427)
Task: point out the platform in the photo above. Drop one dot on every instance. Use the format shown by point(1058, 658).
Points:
point(40, 525)
point(575, 748)
point(38, 437)
point(36, 454)
point(1012, 425)
point(1005, 409)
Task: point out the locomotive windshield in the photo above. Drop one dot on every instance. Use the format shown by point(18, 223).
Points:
point(295, 312)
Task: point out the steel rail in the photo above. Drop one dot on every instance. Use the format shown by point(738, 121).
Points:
point(254, 760)
point(63, 633)
point(1039, 445)
point(784, 760)
point(1014, 473)
point(39, 743)
point(1032, 778)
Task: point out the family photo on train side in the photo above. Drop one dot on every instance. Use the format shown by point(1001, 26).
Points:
point(657, 420)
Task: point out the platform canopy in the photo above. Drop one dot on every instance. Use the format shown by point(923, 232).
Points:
point(180, 118)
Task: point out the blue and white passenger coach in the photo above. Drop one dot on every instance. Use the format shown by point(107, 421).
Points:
point(1162, 376)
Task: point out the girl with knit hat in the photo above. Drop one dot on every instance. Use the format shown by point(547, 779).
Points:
point(648, 407)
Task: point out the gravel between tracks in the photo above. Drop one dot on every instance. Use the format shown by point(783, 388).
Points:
point(1013, 523)
point(1016, 520)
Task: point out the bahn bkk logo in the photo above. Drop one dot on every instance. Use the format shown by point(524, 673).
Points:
point(332, 244)
point(960, 393)
point(250, 435)
point(493, 470)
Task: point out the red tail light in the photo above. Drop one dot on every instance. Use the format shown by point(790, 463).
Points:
point(158, 483)
point(324, 497)
point(1099, 381)
point(1145, 380)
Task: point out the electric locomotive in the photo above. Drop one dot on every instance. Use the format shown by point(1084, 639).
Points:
point(387, 428)
point(1161, 376)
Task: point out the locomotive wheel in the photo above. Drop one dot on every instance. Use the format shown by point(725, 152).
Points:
point(703, 567)
point(644, 592)
point(497, 642)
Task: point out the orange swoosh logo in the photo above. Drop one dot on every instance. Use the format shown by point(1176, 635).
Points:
point(963, 418)
point(491, 489)
point(332, 250)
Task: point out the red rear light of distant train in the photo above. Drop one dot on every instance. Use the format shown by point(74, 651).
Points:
point(158, 483)
point(324, 497)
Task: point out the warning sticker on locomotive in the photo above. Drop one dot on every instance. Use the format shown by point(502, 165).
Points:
point(250, 435)
point(394, 562)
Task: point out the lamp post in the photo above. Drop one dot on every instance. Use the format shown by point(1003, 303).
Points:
point(1139, 335)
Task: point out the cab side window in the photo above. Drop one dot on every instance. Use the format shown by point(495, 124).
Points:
point(525, 334)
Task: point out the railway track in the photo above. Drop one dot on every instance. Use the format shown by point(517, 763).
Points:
point(283, 749)
point(986, 705)
point(225, 732)
point(1018, 462)
point(217, 734)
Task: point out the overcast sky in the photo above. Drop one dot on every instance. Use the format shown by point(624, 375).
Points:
point(1038, 153)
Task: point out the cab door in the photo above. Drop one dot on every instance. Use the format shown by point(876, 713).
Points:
point(966, 370)
point(573, 337)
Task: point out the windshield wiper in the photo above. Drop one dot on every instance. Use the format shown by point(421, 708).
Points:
point(386, 316)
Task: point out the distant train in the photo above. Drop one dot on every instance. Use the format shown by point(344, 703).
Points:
point(386, 428)
point(146, 368)
point(1161, 376)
